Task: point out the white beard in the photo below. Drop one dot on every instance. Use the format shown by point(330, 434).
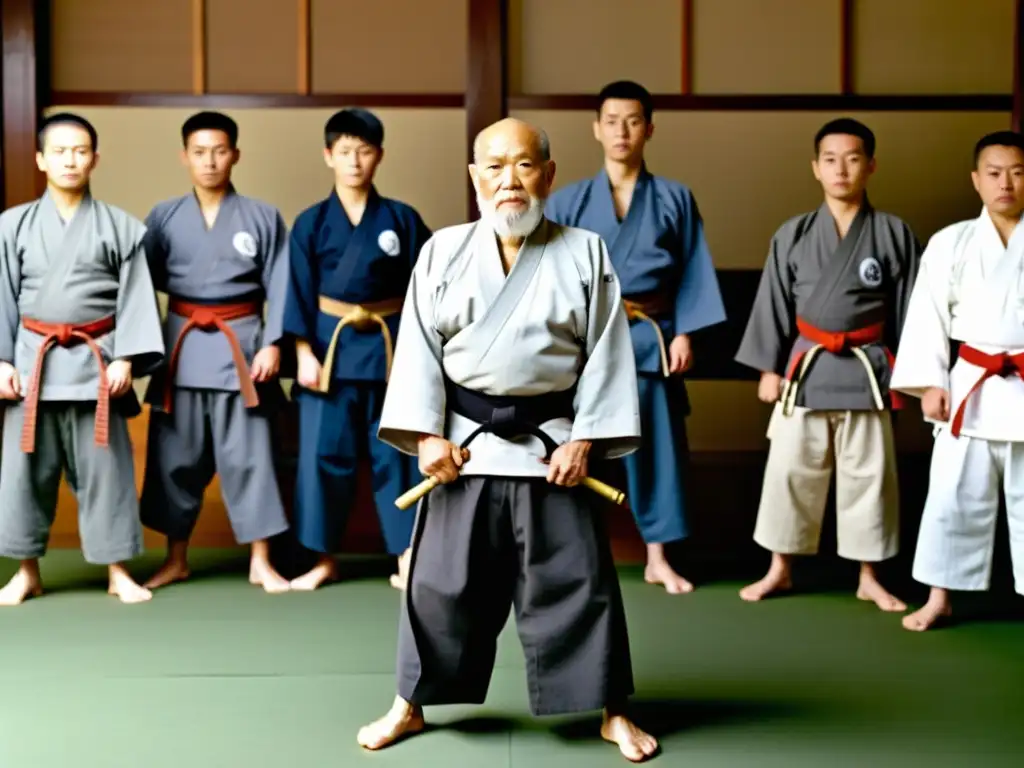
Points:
point(514, 224)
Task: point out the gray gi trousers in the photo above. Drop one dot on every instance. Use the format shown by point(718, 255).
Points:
point(485, 544)
point(103, 481)
point(207, 432)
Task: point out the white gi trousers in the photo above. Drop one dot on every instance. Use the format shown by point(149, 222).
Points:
point(957, 537)
point(806, 447)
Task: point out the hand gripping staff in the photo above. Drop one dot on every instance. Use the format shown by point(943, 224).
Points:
point(507, 430)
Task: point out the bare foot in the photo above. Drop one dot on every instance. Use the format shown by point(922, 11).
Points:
point(771, 584)
point(778, 579)
point(658, 571)
point(401, 579)
point(404, 719)
point(662, 573)
point(325, 570)
point(262, 574)
point(175, 567)
point(23, 585)
point(125, 588)
point(634, 744)
point(870, 589)
point(932, 614)
point(170, 572)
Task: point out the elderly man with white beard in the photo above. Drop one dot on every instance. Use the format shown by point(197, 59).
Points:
point(513, 367)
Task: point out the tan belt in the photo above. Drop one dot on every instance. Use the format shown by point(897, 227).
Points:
point(362, 317)
point(646, 308)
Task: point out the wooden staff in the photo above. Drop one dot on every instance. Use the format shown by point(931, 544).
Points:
point(417, 492)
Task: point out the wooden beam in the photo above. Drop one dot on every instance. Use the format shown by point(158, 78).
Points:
point(257, 100)
point(1018, 67)
point(833, 102)
point(486, 73)
point(21, 104)
point(846, 47)
point(198, 47)
point(686, 49)
point(305, 47)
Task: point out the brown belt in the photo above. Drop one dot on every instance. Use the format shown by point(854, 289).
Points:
point(66, 335)
point(362, 317)
point(646, 307)
point(209, 317)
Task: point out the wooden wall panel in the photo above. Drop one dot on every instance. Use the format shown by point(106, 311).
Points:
point(252, 46)
point(752, 46)
point(577, 46)
point(923, 46)
point(122, 45)
point(389, 46)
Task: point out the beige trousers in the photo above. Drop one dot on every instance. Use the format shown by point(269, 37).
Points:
point(804, 449)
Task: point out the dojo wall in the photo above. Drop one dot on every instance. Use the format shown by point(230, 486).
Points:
point(130, 61)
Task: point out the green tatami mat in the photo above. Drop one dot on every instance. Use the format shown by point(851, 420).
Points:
point(215, 674)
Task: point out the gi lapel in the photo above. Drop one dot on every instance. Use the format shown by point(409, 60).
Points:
point(216, 238)
point(61, 244)
point(840, 261)
point(621, 247)
point(598, 209)
point(505, 296)
point(1003, 266)
point(360, 249)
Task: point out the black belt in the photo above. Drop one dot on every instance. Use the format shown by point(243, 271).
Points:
point(509, 416)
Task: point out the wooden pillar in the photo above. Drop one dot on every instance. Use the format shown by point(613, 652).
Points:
point(25, 84)
point(305, 47)
point(198, 47)
point(1018, 67)
point(846, 47)
point(686, 49)
point(486, 74)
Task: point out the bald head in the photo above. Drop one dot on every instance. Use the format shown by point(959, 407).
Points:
point(512, 131)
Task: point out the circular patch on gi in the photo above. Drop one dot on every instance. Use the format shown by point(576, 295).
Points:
point(389, 243)
point(870, 272)
point(245, 244)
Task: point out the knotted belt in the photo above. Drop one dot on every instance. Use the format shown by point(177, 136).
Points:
point(509, 417)
point(67, 335)
point(646, 307)
point(999, 364)
point(213, 317)
point(836, 342)
point(362, 317)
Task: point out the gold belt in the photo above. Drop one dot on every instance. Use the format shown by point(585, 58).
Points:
point(362, 317)
point(642, 308)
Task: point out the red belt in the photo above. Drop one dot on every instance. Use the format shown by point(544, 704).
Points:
point(208, 317)
point(999, 364)
point(843, 341)
point(66, 335)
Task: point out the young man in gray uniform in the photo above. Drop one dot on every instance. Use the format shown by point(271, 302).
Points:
point(219, 257)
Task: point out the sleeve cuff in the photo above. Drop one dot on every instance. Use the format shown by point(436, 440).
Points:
point(405, 437)
point(611, 440)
